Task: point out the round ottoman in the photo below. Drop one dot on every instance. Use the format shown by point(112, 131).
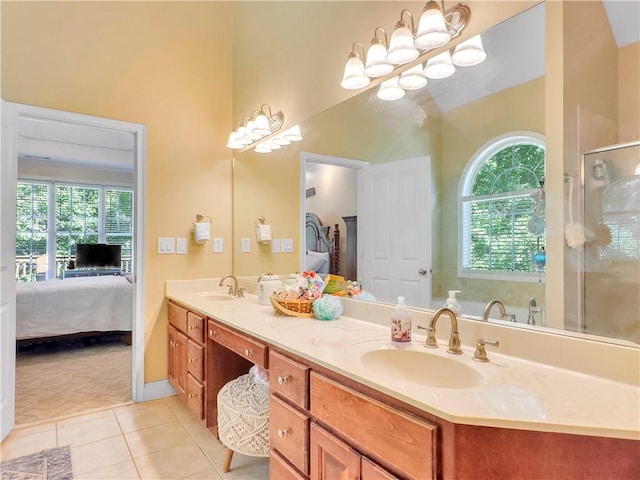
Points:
point(243, 418)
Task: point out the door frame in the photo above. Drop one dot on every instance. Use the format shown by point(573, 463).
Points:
point(12, 112)
point(309, 157)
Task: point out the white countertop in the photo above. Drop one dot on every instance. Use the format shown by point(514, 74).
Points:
point(513, 393)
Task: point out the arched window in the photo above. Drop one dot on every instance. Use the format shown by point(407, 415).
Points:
point(502, 209)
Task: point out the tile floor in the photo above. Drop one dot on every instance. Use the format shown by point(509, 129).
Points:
point(159, 439)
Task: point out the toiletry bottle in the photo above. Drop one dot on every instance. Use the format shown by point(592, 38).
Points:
point(452, 302)
point(401, 323)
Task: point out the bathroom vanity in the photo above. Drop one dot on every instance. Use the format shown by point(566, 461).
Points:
point(344, 400)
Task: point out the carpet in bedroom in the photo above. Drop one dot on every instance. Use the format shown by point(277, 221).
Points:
point(51, 464)
point(65, 377)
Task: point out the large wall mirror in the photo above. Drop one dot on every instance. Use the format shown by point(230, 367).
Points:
point(479, 134)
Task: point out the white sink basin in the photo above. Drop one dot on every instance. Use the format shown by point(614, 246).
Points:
point(214, 296)
point(422, 368)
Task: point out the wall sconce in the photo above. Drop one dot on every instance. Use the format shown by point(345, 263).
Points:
point(436, 28)
point(256, 127)
point(281, 140)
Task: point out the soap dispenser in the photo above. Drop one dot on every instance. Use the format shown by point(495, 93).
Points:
point(401, 323)
point(267, 283)
point(452, 302)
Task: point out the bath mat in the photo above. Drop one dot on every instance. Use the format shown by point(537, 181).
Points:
point(51, 464)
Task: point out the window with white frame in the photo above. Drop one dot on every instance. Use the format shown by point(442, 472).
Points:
point(53, 217)
point(500, 194)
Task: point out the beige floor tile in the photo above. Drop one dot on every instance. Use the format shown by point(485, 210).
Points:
point(90, 431)
point(19, 444)
point(244, 467)
point(96, 455)
point(144, 417)
point(209, 474)
point(160, 437)
point(178, 407)
point(195, 428)
point(130, 407)
point(23, 430)
point(178, 462)
point(119, 471)
point(88, 417)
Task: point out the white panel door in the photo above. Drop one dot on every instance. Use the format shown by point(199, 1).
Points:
point(394, 230)
point(7, 273)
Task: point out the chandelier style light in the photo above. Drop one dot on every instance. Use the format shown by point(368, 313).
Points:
point(436, 28)
point(260, 125)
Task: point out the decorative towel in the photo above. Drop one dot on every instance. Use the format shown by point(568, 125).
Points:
point(201, 231)
point(264, 233)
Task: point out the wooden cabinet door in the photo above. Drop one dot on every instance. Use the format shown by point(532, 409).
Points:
point(180, 365)
point(172, 334)
point(371, 471)
point(331, 458)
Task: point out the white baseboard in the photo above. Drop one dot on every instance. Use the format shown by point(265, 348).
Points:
point(158, 389)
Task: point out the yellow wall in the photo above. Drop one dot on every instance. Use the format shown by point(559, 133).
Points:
point(629, 93)
point(167, 65)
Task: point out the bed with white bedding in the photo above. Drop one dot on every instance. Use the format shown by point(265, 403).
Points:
point(73, 305)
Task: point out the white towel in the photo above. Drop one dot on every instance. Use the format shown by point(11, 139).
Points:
point(264, 233)
point(201, 231)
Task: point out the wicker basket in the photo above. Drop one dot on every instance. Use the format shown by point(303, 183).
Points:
point(293, 308)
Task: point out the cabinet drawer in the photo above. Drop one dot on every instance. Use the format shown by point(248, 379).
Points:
point(195, 360)
point(177, 316)
point(289, 434)
point(289, 379)
point(195, 396)
point(246, 347)
point(195, 327)
point(279, 469)
point(384, 433)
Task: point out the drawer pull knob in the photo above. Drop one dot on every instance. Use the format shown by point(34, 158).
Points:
point(191, 360)
point(212, 333)
point(191, 327)
point(247, 352)
point(283, 379)
point(191, 395)
point(282, 433)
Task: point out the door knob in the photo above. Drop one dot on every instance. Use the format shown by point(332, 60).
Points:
point(422, 271)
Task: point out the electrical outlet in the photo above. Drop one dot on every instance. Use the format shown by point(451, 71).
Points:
point(275, 245)
point(218, 244)
point(181, 246)
point(287, 245)
point(246, 245)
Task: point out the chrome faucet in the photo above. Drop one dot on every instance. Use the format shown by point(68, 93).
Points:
point(503, 311)
point(454, 339)
point(233, 289)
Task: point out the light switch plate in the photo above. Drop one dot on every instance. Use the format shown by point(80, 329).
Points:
point(246, 245)
point(275, 245)
point(181, 246)
point(287, 245)
point(166, 245)
point(218, 244)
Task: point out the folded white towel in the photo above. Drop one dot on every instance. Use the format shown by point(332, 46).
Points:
point(264, 233)
point(201, 231)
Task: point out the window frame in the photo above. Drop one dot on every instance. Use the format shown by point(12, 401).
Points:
point(465, 188)
point(52, 230)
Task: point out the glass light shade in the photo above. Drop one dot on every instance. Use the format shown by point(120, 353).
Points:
point(233, 143)
point(439, 66)
point(377, 65)
point(389, 90)
point(293, 134)
point(241, 135)
point(271, 145)
point(413, 78)
point(262, 148)
point(251, 134)
point(432, 28)
point(281, 140)
point(262, 126)
point(469, 53)
point(401, 48)
point(637, 172)
point(354, 76)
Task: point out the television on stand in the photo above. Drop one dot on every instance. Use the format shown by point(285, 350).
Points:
point(94, 259)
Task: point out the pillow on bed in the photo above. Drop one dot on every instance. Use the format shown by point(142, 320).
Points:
point(318, 261)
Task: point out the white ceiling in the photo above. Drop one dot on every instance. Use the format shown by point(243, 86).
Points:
point(624, 17)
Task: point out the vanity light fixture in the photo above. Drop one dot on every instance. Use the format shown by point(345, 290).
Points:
point(469, 53)
point(293, 133)
point(377, 64)
point(413, 78)
point(401, 47)
point(256, 127)
point(439, 66)
point(354, 76)
point(390, 90)
point(436, 28)
point(281, 140)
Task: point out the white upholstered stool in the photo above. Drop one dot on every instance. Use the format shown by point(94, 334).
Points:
point(243, 418)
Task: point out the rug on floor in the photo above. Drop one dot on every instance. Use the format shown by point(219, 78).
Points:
point(51, 464)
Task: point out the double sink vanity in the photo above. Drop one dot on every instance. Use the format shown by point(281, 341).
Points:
point(345, 400)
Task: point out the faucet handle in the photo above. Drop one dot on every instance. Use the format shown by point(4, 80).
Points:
point(480, 354)
point(240, 292)
point(231, 290)
point(431, 337)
